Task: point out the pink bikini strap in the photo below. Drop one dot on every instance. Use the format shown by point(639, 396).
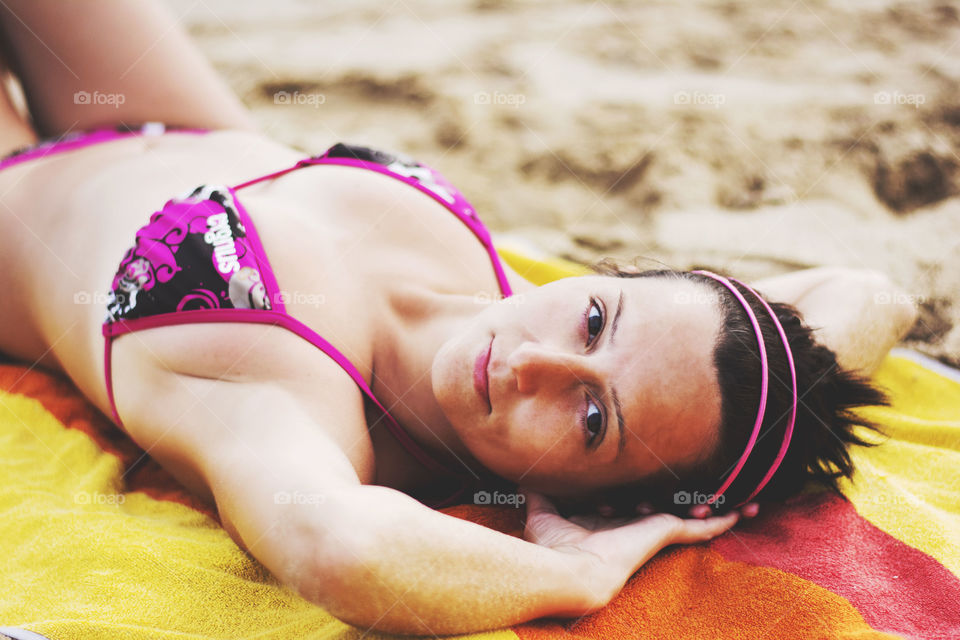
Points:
point(269, 176)
point(441, 191)
point(277, 317)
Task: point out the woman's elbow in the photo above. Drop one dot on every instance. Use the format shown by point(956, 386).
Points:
point(349, 589)
point(343, 578)
point(332, 572)
point(892, 300)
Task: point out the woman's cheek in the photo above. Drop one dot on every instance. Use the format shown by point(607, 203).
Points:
point(539, 430)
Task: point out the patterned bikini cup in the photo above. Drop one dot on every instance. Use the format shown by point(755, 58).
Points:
point(193, 254)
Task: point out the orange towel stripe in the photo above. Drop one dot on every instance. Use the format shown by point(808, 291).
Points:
point(693, 592)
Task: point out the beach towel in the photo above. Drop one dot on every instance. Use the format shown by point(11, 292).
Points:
point(97, 541)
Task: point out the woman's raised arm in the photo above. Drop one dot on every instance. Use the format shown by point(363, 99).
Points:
point(859, 314)
point(375, 557)
point(370, 555)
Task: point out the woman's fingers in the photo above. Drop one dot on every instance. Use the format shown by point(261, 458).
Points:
point(749, 510)
point(699, 530)
point(644, 509)
point(545, 522)
point(700, 511)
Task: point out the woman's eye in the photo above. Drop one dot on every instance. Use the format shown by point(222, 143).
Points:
point(592, 422)
point(594, 321)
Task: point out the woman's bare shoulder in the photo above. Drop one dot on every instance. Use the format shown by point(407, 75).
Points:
point(199, 425)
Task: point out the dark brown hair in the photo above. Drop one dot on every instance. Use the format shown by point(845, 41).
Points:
point(825, 421)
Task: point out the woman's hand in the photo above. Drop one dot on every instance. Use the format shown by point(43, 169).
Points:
point(618, 546)
point(748, 510)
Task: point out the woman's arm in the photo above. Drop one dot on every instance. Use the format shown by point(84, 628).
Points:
point(859, 314)
point(398, 566)
point(415, 570)
point(371, 555)
point(378, 559)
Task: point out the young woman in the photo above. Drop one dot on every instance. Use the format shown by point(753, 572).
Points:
point(324, 346)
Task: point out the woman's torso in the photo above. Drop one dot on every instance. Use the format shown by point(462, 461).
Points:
point(344, 244)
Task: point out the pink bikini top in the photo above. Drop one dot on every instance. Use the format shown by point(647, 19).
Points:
point(144, 295)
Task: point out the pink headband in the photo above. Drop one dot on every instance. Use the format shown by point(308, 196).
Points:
point(763, 388)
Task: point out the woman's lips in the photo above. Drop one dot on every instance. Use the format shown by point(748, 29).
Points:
point(481, 381)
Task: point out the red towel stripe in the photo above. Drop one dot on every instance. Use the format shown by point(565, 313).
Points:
point(821, 537)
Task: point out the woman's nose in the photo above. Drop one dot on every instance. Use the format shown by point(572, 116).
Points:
point(536, 365)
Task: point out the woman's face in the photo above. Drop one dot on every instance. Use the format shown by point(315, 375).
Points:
point(567, 361)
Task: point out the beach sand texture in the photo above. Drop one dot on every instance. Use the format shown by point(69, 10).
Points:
point(753, 137)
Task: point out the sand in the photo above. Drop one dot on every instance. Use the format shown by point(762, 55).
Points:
point(756, 138)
